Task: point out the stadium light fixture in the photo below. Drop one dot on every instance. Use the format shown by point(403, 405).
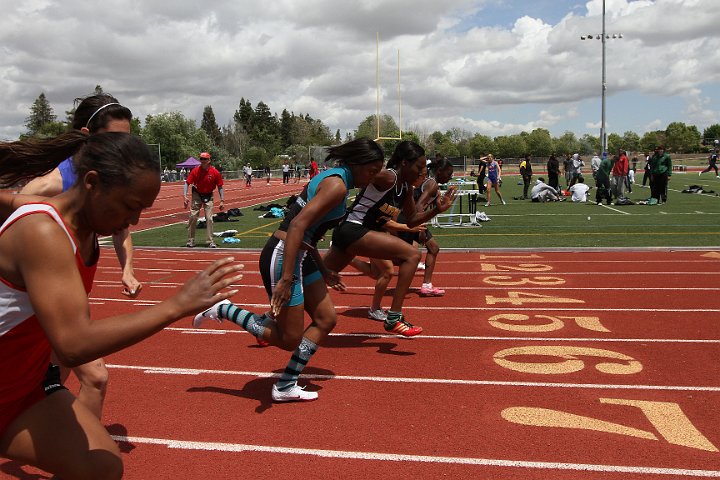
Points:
point(603, 36)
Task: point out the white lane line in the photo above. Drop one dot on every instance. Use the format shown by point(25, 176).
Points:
point(201, 371)
point(615, 210)
point(393, 457)
point(113, 284)
point(195, 331)
point(479, 273)
point(637, 257)
point(488, 309)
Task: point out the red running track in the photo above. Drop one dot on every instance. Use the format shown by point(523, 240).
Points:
point(534, 365)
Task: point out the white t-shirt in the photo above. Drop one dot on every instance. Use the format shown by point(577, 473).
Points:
point(579, 192)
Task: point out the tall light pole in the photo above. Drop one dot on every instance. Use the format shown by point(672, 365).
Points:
point(603, 134)
point(603, 37)
point(158, 153)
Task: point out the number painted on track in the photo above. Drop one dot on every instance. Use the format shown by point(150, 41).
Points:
point(507, 281)
point(667, 418)
point(519, 298)
point(553, 323)
point(521, 267)
point(568, 360)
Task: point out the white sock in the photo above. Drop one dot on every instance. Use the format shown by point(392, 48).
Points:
point(427, 285)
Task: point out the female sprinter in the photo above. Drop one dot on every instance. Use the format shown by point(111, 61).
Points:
point(382, 270)
point(361, 233)
point(426, 195)
point(298, 284)
point(48, 256)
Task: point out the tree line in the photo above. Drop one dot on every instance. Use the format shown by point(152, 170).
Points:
point(257, 136)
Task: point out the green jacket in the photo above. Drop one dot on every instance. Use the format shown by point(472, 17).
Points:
point(660, 164)
point(605, 168)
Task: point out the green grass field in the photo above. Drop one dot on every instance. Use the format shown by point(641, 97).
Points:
point(686, 220)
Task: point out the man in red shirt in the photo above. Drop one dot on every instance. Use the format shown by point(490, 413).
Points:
point(313, 168)
point(203, 178)
point(619, 175)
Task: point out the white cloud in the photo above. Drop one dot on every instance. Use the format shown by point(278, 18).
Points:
point(654, 125)
point(318, 57)
point(698, 109)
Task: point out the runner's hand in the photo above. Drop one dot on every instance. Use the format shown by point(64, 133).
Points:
point(280, 296)
point(131, 286)
point(334, 281)
point(206, 288)
point(444, 202)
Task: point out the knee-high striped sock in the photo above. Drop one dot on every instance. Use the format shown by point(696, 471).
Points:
point(298, 360)
point(253, 323)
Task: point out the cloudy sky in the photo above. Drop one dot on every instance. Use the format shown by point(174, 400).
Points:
point(494, 67)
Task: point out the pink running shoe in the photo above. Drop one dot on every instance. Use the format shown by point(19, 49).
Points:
point(431, 292)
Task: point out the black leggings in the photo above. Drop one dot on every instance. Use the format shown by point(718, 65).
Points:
point(658, 186)
point(553, 180)
point(711, 167)
point(603, 190)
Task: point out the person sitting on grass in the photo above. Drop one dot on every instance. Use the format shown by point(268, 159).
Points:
point(542, 192)
point(579, 190)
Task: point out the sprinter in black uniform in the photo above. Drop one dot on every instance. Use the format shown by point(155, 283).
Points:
point(361, 233)
point(425, 197)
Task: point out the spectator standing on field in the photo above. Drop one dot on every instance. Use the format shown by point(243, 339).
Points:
point(248, 172)
point(660, 173)
point(204, 179)
point(286, 172)
point(567, 169)
point(553, 171)
point(619, 175)
point(594, 165)
point(482, 173)
point(631, 174)
point(646, 174)
point(526, 174)
point(577, 164)
point(313, 168)
point(602, 180)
